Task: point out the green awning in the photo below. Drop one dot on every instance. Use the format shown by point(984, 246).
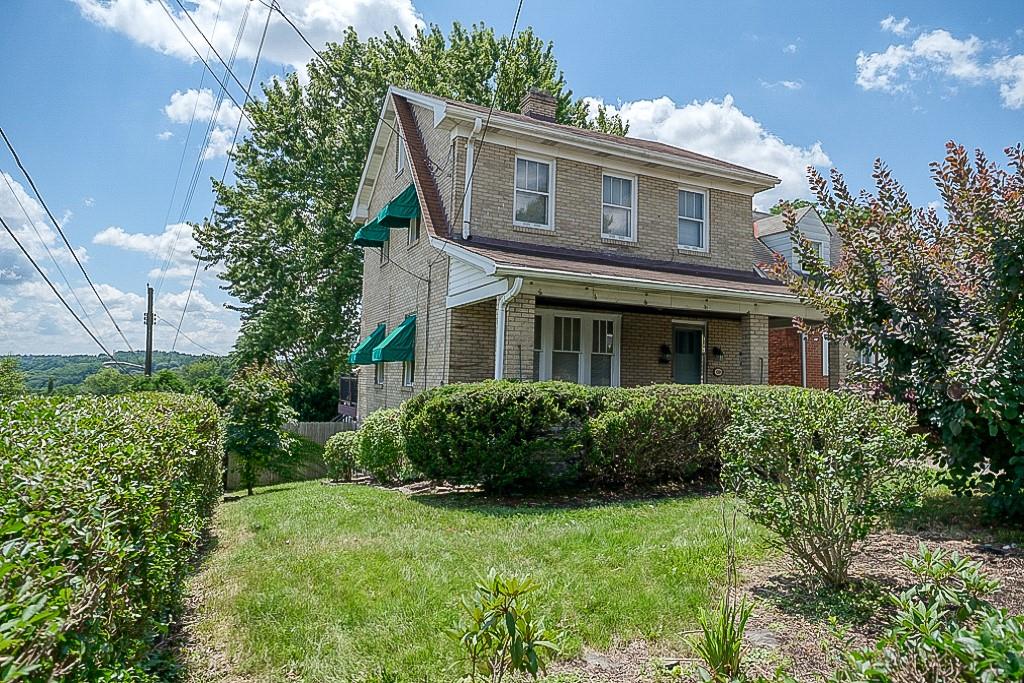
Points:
point(373, 234)
point(362, 354)
point(399, 345)
point(400, 210)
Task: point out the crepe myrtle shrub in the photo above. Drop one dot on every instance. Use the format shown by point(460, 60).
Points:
point(382, 449)
point(938, 299)
point(943, 629)
point(654, 435)
point(103, 504)
point(257, 411)
point(501, 434)
point(340, 455)
point(821, 470)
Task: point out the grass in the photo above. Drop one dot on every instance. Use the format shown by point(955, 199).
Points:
point(311, 582)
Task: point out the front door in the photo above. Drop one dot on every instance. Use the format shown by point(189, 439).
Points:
point(688, 358)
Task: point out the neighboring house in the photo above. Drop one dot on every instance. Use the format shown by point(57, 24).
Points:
point(562, 253)
point(798, 359)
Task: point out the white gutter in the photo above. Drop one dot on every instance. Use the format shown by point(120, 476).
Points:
point(499, 327)
point(467, 200)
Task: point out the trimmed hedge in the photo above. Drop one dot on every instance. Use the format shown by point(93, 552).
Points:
point(517, 435)
point(103, 502)
point(340, 453)
point(382, 450)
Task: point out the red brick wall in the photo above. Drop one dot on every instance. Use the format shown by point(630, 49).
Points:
point(784, 359)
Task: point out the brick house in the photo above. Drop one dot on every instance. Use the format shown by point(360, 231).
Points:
point(563, 253)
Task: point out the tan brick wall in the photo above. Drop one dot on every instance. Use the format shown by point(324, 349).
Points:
point(643, 335)
point(519, 323)
point(578, 213)
point(471, 339)
point(393, 289)
point(754, 349)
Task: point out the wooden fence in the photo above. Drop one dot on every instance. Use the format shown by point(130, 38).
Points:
point(313, 468)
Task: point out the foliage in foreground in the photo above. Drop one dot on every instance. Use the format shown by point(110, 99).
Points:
point(719, 643)
point(257, 410)
point(499, 634)
point(12, 380)
point(940, 301)
point(944, 629)
point(103, 501)
point(821, 470)
point(283, 233)
point(340, 455)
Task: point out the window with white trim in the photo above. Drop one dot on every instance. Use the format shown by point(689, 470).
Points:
point(576, 346)
point(618, 207)
point(378, 374)
point(566, 349)
point(692, 228)
point(385, 251)
point(408, 372)
point(399, 155)
point(533, 205)
point(817, 247)
point(414, 230)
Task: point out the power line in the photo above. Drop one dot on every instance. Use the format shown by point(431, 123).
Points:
point(60, 230)
point(205, 63)
point(59, 296)
point(178, 331)
point(217, 54)
point(224, 174)
point(39, 236)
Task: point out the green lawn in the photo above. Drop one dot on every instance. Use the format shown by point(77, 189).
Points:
point(313, 582)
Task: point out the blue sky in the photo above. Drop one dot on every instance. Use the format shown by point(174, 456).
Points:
point(97, 96)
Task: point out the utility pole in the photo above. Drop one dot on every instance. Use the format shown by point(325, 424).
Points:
point(149, 330)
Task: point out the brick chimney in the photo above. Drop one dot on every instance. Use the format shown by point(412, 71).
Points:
point(539, 104)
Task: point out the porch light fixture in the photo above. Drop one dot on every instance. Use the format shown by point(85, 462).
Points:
point(664, 354)
point(716, 352)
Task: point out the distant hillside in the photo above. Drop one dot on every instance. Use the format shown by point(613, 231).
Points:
point(73, 369)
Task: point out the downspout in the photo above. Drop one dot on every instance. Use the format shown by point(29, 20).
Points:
point(499, 327)
point(803, 359)
point(468, 173)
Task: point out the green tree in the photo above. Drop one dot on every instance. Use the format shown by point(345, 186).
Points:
point(209, 378)
point(794, 204)
point(939, 301)
point(107, 382)
point(257, 410)
point(282, 230)
point(12, 381)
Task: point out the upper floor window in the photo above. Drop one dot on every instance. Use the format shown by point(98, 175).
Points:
point(414, 230)
point(692, 230)
point(618, 208)
point(817, 248)
point(399, 155)
point(533, 205)
point(385, 252)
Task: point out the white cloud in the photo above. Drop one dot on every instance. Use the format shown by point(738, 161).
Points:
point(720, 129)
point(894, 25)
point(788, 85)
point(321, 21)
point(790, 49)
point(177, 236)
point(165, 135)
point(29, 222)
point(939, 54)
point(203, 106)
point(89, 202)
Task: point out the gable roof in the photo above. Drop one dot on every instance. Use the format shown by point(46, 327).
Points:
point(771, 224)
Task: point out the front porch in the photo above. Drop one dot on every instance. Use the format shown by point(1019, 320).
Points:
point(613, 337)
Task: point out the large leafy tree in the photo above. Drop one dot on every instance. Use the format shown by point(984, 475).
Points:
point(282, 230)
point(939, 301)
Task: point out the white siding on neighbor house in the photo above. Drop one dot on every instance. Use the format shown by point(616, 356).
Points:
point(812, 228)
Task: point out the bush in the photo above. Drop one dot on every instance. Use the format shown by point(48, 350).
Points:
point(103, 501)
point(257, 411)
point(655, 434)
point(821, 469)
point(944, 629)
point(382, 450)
point(501, 434)
point(340, 454)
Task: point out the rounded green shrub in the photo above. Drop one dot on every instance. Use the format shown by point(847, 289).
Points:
point(382, 449)
point(340, 455)
point(501, 434)
point(821, 469)
point(653, 435)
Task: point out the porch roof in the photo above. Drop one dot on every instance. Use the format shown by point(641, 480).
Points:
point(517, 258)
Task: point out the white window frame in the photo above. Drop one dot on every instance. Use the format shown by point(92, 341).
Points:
point(378, 374)
point(409, 372)
point(706, 228)
point(796, 256)
point(400, 155)
point(550, 163)
point(385, 250)
point(632, 209)
point(409, 239)
point(547, 316)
